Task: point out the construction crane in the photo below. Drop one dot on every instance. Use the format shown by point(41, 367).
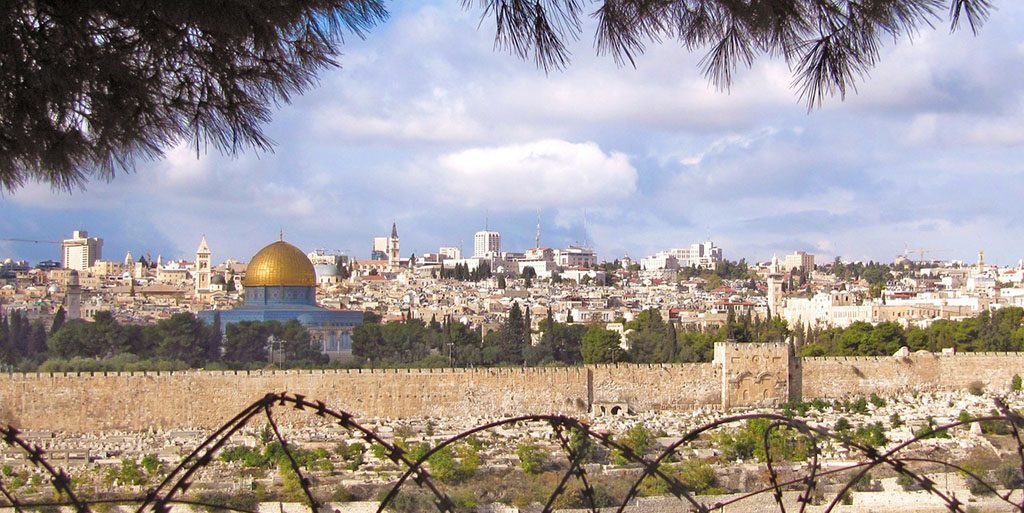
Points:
point(33, 241)
point(921, 252)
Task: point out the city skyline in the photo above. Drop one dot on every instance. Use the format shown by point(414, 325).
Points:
point(926, 153)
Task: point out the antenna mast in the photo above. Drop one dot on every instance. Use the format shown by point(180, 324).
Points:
point(537, 241)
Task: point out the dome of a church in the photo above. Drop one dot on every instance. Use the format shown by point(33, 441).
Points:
point(326, 270)
point(280, 264)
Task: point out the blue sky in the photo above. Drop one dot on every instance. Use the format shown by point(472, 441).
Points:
point(427, 125)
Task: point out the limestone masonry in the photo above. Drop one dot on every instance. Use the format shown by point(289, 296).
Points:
point(741, 375)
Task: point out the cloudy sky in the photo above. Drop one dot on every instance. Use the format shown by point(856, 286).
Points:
point(427, 125)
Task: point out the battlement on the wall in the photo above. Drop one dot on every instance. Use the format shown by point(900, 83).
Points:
point(488, 371)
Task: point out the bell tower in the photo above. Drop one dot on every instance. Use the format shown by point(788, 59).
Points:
point(202, 269)
point(393, 254)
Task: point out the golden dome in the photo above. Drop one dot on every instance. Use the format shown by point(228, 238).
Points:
point(280, 264)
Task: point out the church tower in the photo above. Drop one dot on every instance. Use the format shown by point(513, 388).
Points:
point(202, 269)
point(393, 255)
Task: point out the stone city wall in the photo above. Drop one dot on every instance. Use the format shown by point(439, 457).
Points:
point(85, 402)
point(92, 402)
point(96, 402)
point(654, 387)
point(828, 377)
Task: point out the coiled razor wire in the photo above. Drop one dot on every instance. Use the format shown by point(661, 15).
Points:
point(177, 482)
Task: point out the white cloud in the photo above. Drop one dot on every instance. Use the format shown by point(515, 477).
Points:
point(546, 173)
point(1003, 132)
point(437, 117)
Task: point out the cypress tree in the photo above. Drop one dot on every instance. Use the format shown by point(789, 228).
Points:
point(58, 320)
point(214, 340)
point(37, 340)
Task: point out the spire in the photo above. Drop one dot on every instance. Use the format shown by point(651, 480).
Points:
point(280, 235)
point(394, 230)
point(203, 247)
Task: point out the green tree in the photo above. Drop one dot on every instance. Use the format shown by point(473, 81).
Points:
point(652, 339)
point(601, 345)
point(58, 319)
point(182, 337)
point(297, 344)
point(559, 343)
point(246, 341)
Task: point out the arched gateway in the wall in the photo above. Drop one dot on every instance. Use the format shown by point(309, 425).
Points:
point(755, 374)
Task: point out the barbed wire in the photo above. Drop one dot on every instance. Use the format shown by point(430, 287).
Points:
point(172, 488)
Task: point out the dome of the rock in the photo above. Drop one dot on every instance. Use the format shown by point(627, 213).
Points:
point(280, 265)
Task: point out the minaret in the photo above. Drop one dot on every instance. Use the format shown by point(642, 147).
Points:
point(73, 297)
point(202, 269)
point(393, 254)
point(775, 295)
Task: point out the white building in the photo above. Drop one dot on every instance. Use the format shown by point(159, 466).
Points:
point(575, 256)
point(542, 268)
point(453, 252)
point(662, 260)
point(837, 308)
point(702, 254)
point(380, 248)
point(800, 261)
point(486, 244)
point(80, 252)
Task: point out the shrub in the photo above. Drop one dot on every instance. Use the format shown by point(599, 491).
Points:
point(860, 406)
point(532, 458)
point(697, 475)
point(928, 426)
point(1008, 474)
point(908, 483)
point(995, 427)
point(876, 401)
point(895, 421)
point(247, 456)
point(151, 464)
point(976, 388)
point(444, 465)
point(638, 439)
point(379, 451)
point(574, 498)
point(342, 494)
point(748, 442)
point(865, 483)
point(975, 484)
point(1015, 383)
point(842, 425)
point(872, 435)
point(222, 502)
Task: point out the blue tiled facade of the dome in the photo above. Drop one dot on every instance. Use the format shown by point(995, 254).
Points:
point(281, 295)
point(330, 329)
